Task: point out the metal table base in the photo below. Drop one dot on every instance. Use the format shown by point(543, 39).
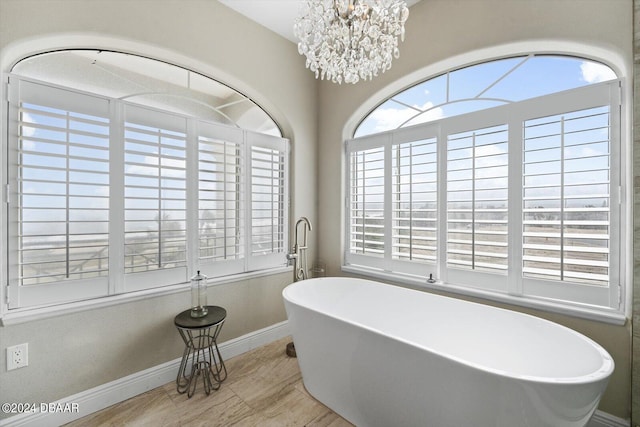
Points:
point(201, 356)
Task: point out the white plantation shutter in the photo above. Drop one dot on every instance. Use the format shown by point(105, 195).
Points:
point(154, 197)
point(221, 199)
point(268, 200)
point(521, 201)
point(477, 199)
point(566, 203)
point(392, 201)
point(61, 192)
point(414, 195)
point(107, 197)
point(367, 192)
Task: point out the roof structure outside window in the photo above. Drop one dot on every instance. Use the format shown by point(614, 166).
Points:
point(150, 83)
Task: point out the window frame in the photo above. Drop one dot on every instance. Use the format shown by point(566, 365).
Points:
point(512, 288)
point(55, 297)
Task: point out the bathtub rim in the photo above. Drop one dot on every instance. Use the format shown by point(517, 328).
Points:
point(603, 373)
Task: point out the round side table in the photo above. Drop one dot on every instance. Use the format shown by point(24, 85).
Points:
point(201, 349)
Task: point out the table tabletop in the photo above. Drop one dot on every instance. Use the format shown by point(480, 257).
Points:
point(214, 315)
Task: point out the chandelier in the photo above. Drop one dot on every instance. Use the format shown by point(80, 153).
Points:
point(349, 40)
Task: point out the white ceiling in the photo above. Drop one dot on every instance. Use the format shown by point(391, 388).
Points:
point(276, 15)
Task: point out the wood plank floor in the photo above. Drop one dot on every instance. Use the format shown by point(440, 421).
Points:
point(263, 388)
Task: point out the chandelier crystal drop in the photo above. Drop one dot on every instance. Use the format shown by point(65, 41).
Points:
point(349, 40)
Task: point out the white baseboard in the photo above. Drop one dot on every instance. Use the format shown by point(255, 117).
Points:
point(603, 419)
point(98, 398)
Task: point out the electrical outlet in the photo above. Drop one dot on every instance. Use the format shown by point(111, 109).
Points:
point(17, 356)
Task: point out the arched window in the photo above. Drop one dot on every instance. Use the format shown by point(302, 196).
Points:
point(500, 178)
point(128, 173)
point(481, 86)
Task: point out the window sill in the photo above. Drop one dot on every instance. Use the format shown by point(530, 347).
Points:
point(420, 283)
point(14, 317)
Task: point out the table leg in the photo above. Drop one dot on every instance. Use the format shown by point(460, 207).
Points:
point(202, 352)
point(182, 380)
point(218, 363)
point(206, 361)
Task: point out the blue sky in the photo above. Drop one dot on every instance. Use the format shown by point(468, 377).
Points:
point(483, 86)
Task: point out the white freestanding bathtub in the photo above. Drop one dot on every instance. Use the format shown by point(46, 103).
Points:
point(382, 355)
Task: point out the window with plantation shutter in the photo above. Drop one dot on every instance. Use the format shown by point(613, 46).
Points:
point(61, 165)
point(393, 201)
point(107, 197)
point(477, 199)
point(415, 196)
point(155, 193)
point(367, 188)
point(566, 203)
point(521, 202)
point(268, 199)
point(221, 168)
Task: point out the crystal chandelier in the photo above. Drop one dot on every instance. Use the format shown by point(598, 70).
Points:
point(349, 40)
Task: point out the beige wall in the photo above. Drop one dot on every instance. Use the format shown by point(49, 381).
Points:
point(74, 352)
point(444, 34)
point(635, 387)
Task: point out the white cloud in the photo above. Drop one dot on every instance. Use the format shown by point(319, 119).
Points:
point(482, 151)
point(177, 168)
point(28, 131)
point(592, 72)
point(392, 118)
point(28, 145)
